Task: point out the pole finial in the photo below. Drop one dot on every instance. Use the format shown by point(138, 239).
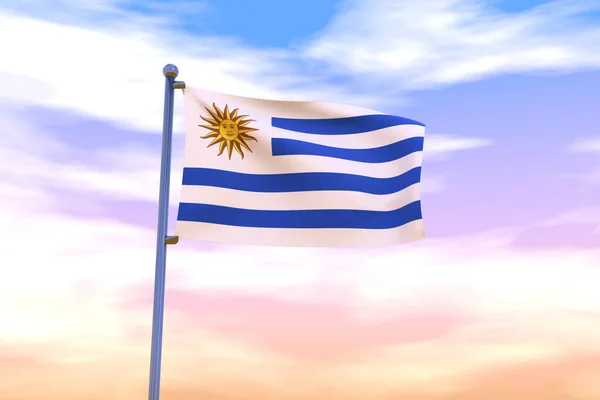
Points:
point(170, 70)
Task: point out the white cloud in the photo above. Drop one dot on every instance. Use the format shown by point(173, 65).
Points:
point(104, 61)
point(503, 281)
point(121, 172)
point(63, 276)
point(585, 145)
point(112, 256)
point(589, 215)
point(432, 184)
point(115, 13)
point(441, 146)
point(483, 262)
point(588, 179)
point(51, 260)
point(430, 43)
point(115, 74)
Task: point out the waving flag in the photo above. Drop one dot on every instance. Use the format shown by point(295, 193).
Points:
point(293, 173)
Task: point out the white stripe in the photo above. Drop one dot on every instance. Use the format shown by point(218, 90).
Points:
point(300, 237)
point(267, 164)
point(299, 200)
point(198, 98)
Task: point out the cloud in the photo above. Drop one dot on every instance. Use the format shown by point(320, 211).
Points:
point(441, 146)
point(110, 56)
point(55, 159)
point(586, 145)
point(503, 280)
point(567, 377)
point(589, 215)
point(336, 333)
point(244, 375)
point(115, 73)
point(129, 172)
point(148, 14)
point(588, 179)
point(432, 184)
point(56, 168)
point(66, 280)
point(575, 228)
point(471, 304)
point(434, 43)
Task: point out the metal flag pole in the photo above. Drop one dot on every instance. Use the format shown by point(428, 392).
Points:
point(170, 72)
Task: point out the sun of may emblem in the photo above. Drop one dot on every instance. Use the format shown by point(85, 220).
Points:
point(228, 129)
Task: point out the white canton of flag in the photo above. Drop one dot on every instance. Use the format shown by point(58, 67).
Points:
point(291, 173)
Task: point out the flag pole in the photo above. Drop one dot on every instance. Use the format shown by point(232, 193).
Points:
point(170, 72)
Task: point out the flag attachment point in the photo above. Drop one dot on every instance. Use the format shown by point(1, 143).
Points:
point(172, 240)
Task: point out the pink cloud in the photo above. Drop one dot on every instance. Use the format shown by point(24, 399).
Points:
point(310, 329)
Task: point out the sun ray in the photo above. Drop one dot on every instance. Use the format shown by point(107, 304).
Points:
point(239, 118)
point(218, 139)
point(246, 130)
point(229, 148)
point(246, 122)
point(222, 147)
point(219, 111)
point(211, 135)
point(244, 144)
point(212, 128)
point(248, 137)
point(210, 121)
point(214, 115)
point(238, 149)
point(229, 130)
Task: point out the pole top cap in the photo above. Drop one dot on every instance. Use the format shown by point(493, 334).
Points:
point(170, 70)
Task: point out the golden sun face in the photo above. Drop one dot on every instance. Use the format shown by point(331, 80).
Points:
point(228, 130)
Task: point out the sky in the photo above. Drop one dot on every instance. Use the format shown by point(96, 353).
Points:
point(500, 301)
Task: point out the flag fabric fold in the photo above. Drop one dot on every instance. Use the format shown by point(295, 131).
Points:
point(288, 173)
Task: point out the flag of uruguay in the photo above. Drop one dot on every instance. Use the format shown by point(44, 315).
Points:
point(293, 173)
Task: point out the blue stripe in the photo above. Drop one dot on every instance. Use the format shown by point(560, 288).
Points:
point(299, 182)
point(303, 219)
point(391, 152)
point(342, 126)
